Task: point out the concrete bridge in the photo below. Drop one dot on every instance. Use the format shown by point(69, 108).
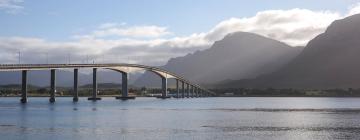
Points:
point(192, 90)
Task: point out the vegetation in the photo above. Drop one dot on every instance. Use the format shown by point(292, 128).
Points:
point(271, 92)
point(106, 90)
point(115, 90)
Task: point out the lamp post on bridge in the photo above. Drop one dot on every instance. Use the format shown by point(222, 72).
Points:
point(19, 57)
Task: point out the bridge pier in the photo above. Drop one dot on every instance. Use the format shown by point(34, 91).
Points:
point(95, 87)
point(192, 91)
point(182, 89)
point(177, 89)
point(124, 87)
point(76, 81)
point(196, 94)
point(187, 90)
point(52, 85)
point(164, 88)
point(24, 87)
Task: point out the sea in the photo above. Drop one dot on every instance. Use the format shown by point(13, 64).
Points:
point(212, 118)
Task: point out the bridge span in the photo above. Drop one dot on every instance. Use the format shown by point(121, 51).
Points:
point(192, 90)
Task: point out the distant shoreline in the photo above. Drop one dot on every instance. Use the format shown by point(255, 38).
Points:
point(201, 97)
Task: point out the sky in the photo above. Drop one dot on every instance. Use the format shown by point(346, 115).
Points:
point(151, 31)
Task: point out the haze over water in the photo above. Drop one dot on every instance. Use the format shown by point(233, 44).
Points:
point(181, 119)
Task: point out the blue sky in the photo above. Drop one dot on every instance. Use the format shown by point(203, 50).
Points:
point(59, 19)
point(152, 31)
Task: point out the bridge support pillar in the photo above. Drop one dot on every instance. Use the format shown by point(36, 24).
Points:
point(52, 85)
point(192, 91)
point(188, 90)
point(24, 87)
point(76, 81)
point(196, 92)
point(177, 89)
point(124, 87)
point(182, 89)
point(164, 87)
point(95, 87)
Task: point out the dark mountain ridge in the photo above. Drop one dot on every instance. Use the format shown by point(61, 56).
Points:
point(239, 55)
point(330, 60)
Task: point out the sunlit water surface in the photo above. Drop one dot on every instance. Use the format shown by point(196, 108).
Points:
point(181, 119)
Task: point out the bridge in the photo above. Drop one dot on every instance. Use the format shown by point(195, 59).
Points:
point(192, 90)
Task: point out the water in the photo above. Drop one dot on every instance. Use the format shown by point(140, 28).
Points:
point(181, 119)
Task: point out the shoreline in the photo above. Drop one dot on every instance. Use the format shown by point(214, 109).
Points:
point(203, 97)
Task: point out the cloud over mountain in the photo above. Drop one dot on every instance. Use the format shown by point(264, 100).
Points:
point(154, 45)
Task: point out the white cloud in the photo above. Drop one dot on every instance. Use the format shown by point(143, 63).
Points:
point(151, 45)
point(354, 9)
point(11, 6)
point(120, 30)
point(294, 27)
point(111, 25)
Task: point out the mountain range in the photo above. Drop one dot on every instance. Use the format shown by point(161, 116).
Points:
point(330, 60)
point(239, 55)
point(247, 60)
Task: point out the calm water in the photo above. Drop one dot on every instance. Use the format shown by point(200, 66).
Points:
point(181, 119)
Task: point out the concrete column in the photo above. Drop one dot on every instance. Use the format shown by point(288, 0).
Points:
point(192, 91)
point(76, 81)
point(124, 87)
point(164, 87)
point(177, 89)
point(95, 86)
point(197, 92)
point(24, 87)
point(52, 85)
point(182, 89)
point(187, 90)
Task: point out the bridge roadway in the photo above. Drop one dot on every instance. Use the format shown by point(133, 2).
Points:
point(192, 90)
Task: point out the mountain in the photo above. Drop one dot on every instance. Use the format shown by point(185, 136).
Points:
point(63, 77)
point(331, 60)
point(237, 56)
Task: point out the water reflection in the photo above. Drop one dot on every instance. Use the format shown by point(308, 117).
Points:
point(201, 118)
